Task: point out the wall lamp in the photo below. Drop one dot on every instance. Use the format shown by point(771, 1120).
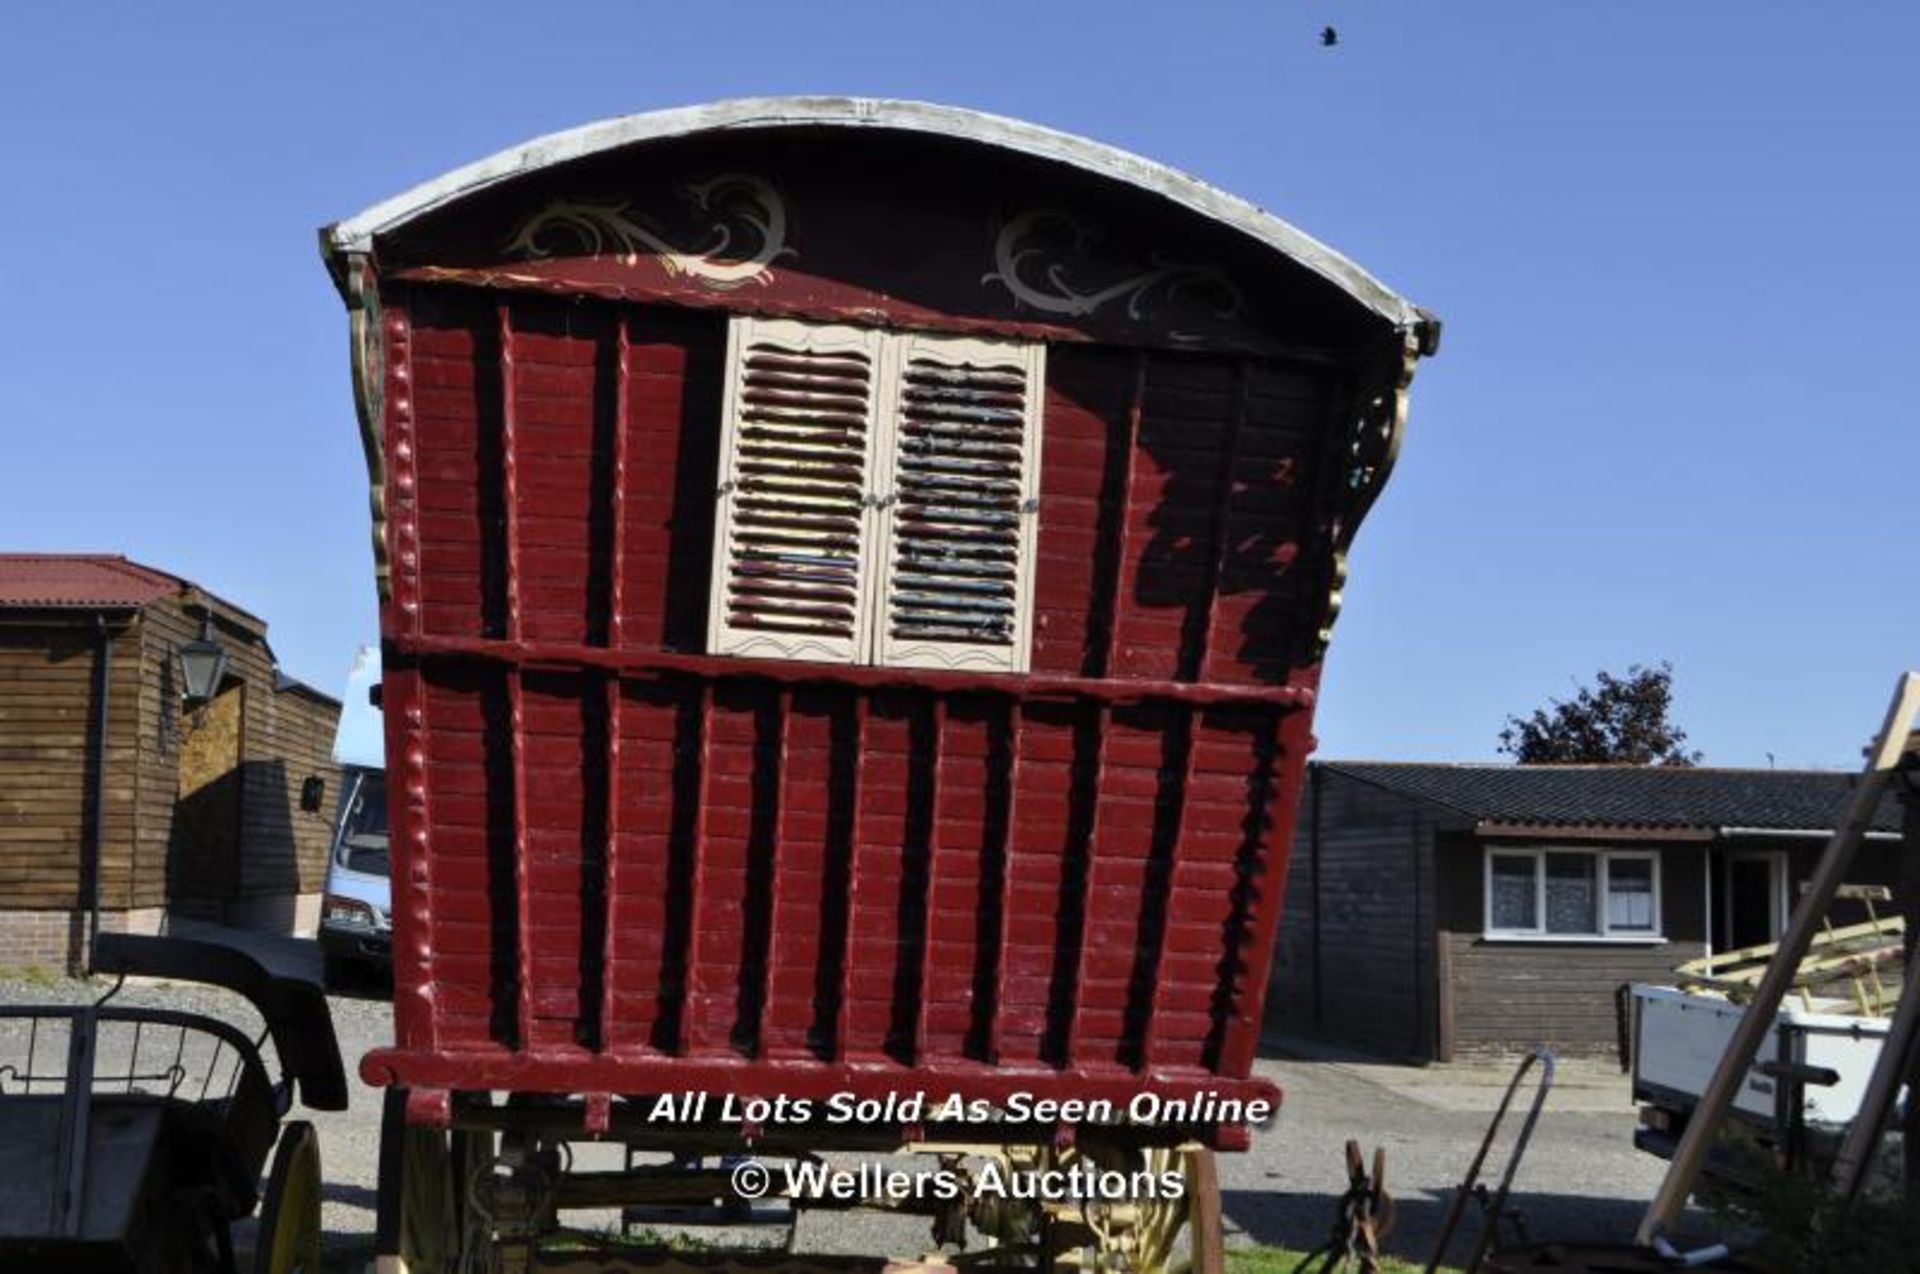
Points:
point(203, 663)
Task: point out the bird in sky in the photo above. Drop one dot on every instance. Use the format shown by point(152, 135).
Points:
point(1329, 37)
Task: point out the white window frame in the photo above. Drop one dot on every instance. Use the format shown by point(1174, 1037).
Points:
point(1603, 860)
point(871, 642)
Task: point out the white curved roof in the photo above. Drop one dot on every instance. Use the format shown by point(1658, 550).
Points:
point(356, 234)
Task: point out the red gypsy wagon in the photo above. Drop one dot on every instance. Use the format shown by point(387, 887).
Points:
point(854, 577)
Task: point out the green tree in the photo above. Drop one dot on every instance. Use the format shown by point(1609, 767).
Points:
point(1618, 720)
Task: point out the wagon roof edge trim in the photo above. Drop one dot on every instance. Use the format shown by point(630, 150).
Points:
point(356, 233)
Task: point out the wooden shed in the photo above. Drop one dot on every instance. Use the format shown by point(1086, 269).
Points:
point(1438, 911)
point(110, 779)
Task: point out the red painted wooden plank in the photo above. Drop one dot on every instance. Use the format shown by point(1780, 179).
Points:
point(1087, 393)
point(401, 427)
point(523, 962)
point(1253, 957)
point(775, 859)
point(1169, 995)
point(1016, 724)
point(416, 1007)
point(1223, 501)
point(1123, 566)
point(689, 968)
point(611, 891)
point(1102, 810)
point(510, 462)
point(931, 876)
point(611, 956)
point(1113, 693)
point(962, 911)
point(622, 420)
point(879, 939)
point(843, 1017)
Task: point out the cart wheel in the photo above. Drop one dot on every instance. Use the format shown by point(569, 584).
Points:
point(1205, 1223)
point(425, 1225)
point(417, 1231)
point(289, 1241)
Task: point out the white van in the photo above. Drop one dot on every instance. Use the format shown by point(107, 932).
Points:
point(356, 919)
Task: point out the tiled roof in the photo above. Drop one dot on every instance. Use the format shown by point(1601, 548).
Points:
point(1629, 796)
point(80, 580)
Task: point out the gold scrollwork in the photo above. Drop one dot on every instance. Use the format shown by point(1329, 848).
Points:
point(369, 398)
point(1361, 466)
point(735, 201)
point(1038, 254)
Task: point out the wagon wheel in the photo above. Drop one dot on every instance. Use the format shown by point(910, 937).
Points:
point(427, 1224)
point(1145, 1236)
point(1206, 1224)
point(289, 1236)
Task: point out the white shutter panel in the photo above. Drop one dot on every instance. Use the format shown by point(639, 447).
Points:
point(961, 461)
point(791, 532)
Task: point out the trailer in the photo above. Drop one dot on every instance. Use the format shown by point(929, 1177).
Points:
point(854, 577)
point(1803, 1089)
point(1680, 1036)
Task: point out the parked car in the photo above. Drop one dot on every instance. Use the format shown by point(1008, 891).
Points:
point(356, 918)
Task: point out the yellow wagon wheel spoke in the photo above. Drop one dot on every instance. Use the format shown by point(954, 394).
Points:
point(1149, 1235)
point(289, 1241)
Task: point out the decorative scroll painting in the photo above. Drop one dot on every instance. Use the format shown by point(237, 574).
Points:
point(1048, 259)
point(744, 232)
point(888, 233)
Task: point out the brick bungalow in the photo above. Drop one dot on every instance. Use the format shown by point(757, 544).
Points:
point(1438, 911)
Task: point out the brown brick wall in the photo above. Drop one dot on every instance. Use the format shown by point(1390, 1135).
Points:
point(55, 938)
point(1507, 996)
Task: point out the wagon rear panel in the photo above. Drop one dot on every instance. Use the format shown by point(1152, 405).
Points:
point(620, 856)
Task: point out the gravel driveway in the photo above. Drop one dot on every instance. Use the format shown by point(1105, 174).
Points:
point(1581, 1180)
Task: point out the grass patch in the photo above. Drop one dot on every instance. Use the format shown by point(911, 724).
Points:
point(32, 975)
point(1282, 1260)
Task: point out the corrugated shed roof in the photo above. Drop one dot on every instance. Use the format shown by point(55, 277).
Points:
point(1629, 796)
point(80, 580)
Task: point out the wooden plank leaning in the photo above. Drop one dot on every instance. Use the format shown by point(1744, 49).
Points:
point(1757, 1021)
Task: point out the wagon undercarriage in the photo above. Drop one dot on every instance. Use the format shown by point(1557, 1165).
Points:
point(510, 1189)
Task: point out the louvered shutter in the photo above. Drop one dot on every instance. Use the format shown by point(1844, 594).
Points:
point(792, 528)
point(961, 466)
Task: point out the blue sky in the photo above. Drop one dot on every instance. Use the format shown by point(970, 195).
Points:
point(1674, 247)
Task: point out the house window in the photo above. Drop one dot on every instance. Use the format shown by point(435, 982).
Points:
point(878, 497)
point(1572, 893)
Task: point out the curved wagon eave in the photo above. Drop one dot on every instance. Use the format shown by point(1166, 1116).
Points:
point(356, 234)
